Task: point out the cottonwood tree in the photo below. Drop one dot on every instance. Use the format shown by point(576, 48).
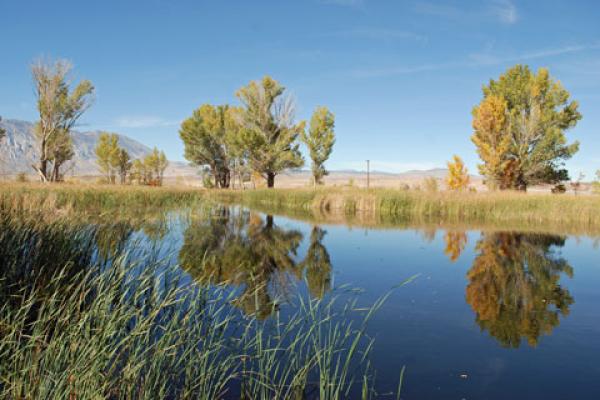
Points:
point(458, 175)
point(59, 107)
point(320, 140)
point(493, 141)
point(107, 154)
point(124, 165)
point(156, 163)
point(268, 132)
point(208, 140)
point(520, 129)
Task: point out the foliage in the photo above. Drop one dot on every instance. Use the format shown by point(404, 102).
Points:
point(458, 175)
point(155, 164)
point(209, 139)
point(107, 154)
point(268, 132)
point(320, 140)
point(124, 165)
point(520, 129)
point(59, 109)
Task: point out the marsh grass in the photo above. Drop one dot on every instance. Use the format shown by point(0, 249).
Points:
point(566, 213)
point(75, 326)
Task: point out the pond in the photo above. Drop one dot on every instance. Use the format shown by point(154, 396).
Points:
point(471, 314)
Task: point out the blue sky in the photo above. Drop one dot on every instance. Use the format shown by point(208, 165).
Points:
point(401, 76)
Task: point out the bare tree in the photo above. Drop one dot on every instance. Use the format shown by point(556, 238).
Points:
point(59, 109)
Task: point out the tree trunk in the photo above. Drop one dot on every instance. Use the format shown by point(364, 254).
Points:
point(43, 162)
point(43, 168)
point(270, 179)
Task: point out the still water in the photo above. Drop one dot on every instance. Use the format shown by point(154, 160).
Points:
point(487, 314)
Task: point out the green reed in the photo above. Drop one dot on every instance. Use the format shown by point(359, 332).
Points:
point(77, 326)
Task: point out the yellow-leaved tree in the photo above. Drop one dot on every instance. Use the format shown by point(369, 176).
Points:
point(458, 175)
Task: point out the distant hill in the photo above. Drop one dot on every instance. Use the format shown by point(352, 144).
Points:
point(19, 151)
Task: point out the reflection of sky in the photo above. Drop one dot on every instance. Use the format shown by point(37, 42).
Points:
point(428, 326)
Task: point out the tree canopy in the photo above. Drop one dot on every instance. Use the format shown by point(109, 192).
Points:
point(59, 109)
point(208, 137)
point(320, 140)
point(268, 132)
point(458, 175)
point(107, 153)
point(519, 129)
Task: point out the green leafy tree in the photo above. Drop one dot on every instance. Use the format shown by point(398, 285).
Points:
point(107, 154)
point(140, 173)
point(268, 132)
point(520, 129)
point(124, 165)
point(207, 137)
point(155, 164)
point(59, 107)
point(320, 140)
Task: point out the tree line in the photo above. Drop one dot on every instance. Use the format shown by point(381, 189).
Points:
point(259, 137)
point(60, 105)
point(115, 162)
point(518, 131)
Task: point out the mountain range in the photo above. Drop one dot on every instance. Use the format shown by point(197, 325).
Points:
point(19, 152)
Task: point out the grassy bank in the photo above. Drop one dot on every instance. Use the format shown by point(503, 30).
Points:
point(377, 207)
point(33, 198)
point(380, 207)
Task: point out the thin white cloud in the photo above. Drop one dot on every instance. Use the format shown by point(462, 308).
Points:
point(143, 121)
point(486, 58)
point(503, 11)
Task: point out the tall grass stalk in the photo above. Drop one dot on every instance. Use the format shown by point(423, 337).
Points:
point(74, 326)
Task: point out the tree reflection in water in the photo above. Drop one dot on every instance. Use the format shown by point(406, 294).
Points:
point(243, 249)
point(455, 244)
point(514, 286)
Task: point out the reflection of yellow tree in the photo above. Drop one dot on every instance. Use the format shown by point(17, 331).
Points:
point(243, 250)
point(514, 286)
point(455, 244)
point(317, 264)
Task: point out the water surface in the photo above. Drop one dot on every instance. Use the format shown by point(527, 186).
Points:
point(487, 315)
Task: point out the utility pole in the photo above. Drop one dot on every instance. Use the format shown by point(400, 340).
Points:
point(368, 174)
